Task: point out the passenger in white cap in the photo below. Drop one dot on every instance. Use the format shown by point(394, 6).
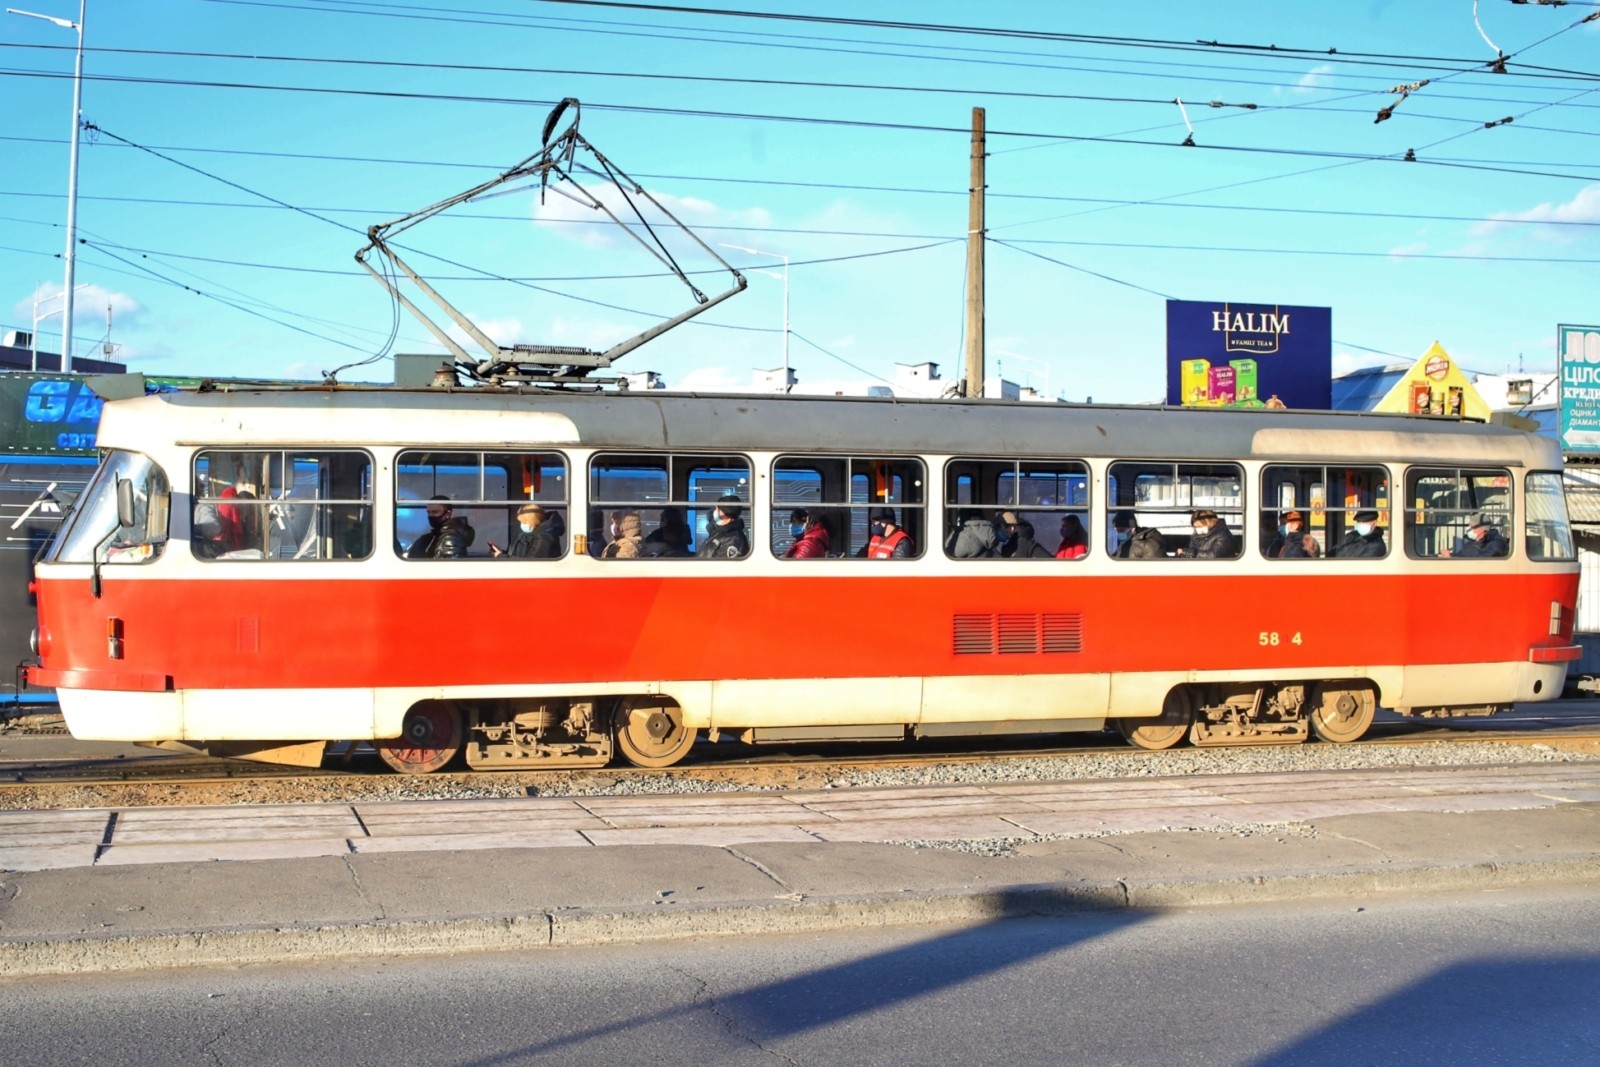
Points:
point(1482, 540)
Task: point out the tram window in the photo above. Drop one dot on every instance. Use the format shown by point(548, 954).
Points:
point(95, 531)
point(1548, 530)
point(1446, 506)
point(466, 505)
point(1164, 497)
point(659, 506)
point(1326, 500)
point(842, 493)
point(1051, 496)
point(281, 505)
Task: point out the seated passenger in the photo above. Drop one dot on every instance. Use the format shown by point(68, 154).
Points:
point(973, 538)
point(1022, 544)
point(1292, 541)
point(447, 537)
point(1135, 541)
point(1482, 541)
point(1074, 539)
point(889, 541)
point(1212, 539)
point(1365, 540)
point(1006, 529)
point(536, 538)
point(810, 536)
point(725, 537)
point(671, 538)
point(626, 542)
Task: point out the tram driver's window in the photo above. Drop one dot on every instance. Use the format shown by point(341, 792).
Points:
point(665, 506)
point(282, 504)
point(1161, 510)
point(1324, 512)
point(1016, 509)
point(1458, 513)
point(480, 505)
point(1548, 530)
point(844, 500)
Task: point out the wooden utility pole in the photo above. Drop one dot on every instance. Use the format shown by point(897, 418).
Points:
point(973, 377)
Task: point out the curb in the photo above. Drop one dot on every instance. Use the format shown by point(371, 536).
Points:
point(21, 958)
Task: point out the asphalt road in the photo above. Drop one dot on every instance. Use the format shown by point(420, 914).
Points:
point(1489, 978)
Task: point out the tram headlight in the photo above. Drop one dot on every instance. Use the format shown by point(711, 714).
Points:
point(39, 642)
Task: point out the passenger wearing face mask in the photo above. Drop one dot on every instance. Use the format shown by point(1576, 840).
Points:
point(1135, 541)
point(725, 537)
point(889, 541)
point(1292, 541)
point(1365, 540)
point(627, 541)
point(447, 538)
point(810, 536)
point(1212, 539)
point(536, 537)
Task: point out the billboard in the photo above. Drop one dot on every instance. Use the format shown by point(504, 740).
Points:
point(1222, 354)
point(1578, 353)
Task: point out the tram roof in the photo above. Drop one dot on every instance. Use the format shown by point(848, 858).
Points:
point(494, 418)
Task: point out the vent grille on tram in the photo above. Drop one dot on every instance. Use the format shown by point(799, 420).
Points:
point(1017, 634)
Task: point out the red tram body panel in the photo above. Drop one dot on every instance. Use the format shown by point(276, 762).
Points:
point(322, 625)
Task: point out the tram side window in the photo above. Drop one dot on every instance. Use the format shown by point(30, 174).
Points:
point(1160, 510)
point(95, 530)
point(281, 504)
point(846, 497)
point(664, 506)
point(995, 503)
point(1548, 530)
point(1458, 512)
point(473, 505)
point(1324, 512)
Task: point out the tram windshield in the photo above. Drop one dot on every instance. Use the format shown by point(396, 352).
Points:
point(95, 530)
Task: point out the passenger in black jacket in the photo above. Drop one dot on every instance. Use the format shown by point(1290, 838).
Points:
point(447, 538)
point(1022, 544)
point(725, 537)
point(536, 539)
point(1212, 539)
point(1138, 542)
point(1365, 540)
point(1483, 541)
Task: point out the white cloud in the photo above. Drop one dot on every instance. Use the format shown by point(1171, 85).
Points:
point(1313, 80)
point(1582, 208)
point(571, 215)
point(88, 307)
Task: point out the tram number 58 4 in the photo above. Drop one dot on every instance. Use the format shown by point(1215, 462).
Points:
point(1272, 639)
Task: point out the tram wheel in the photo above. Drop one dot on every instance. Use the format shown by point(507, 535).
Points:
point(1166, 729)
point(430, 737)
point(651, 733)
point(1342, 712)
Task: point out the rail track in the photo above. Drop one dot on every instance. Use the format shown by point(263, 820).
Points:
point(356, 770)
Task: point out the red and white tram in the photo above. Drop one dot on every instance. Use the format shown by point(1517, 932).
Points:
point(240, 575)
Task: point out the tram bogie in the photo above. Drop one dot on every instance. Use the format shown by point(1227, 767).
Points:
point(533, 734)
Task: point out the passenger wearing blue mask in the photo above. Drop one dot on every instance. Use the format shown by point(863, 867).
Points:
point(725, 537)
point(1365, 540)
point(810, 536)
point(889, 541)
point(1292, 541)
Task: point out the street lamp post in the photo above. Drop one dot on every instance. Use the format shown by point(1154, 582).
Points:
point(72, 174)
point(785, 276)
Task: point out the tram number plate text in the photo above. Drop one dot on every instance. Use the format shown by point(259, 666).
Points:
point(1272, 639)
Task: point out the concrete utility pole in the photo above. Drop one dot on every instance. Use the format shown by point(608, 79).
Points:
point(973, 378)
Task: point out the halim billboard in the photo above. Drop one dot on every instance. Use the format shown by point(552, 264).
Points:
point(1578, 351)
point(1222, 354)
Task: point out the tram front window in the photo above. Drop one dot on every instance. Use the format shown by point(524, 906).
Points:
point(95, 530)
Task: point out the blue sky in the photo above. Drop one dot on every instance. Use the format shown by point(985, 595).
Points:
point(243, 148)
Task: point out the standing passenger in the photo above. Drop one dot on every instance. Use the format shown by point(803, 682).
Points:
point(889, 541)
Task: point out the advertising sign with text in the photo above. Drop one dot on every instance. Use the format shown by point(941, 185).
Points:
point(1222, 354)
point(1578, 350)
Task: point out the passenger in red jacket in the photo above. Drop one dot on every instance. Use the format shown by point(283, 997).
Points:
point(810, 536)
